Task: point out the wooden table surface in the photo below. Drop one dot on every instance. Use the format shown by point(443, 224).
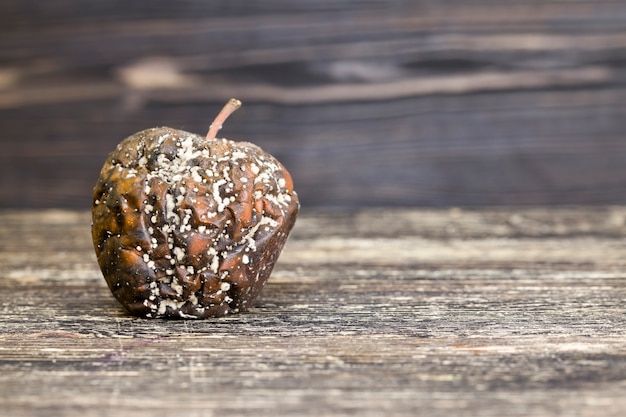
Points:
point(509, 312)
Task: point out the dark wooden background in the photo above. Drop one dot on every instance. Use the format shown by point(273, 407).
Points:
point(368, 103)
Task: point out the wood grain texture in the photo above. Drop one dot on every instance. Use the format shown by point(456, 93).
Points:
point(367, 103)
point(373, 313)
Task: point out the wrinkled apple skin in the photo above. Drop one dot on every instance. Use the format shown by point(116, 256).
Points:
point(185, 227)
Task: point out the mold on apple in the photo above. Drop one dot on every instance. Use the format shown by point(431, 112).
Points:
point(186, 226)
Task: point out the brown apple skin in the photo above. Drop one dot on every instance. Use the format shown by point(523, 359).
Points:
point(185, 227)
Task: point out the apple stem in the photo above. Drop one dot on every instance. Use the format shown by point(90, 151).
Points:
point(228, 109)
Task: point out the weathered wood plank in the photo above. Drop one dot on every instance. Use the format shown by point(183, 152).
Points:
point(376, 313)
